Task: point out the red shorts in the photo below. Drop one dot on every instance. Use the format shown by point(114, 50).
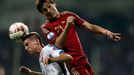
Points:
point(80, 69)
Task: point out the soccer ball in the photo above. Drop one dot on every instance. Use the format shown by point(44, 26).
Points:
point(17, 31)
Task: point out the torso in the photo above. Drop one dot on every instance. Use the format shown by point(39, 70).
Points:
point(52, 68)
point(72, 44)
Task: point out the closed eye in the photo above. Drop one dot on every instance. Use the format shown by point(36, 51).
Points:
point(26, 44)
point(44, 9)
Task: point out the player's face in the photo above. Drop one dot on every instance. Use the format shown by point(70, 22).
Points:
point(32, 46)
point(50, 11)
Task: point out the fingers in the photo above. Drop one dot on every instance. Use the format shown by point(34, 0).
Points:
point(70, 19)
point(21, 68)
point(114, 36)
point(45, 60)
point(109, 35)
point(24, 70)
point(117, 39)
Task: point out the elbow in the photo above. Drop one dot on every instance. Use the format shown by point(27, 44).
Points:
point(70, 58)
point(58, 45)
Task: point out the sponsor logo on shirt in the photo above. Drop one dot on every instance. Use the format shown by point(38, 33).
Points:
point(50, 35)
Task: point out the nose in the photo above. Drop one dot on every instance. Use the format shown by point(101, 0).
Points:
point(26, 47)
point(48, 10)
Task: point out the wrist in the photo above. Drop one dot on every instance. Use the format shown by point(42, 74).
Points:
point(107, 32)
point(30, 72)
point(50, 60)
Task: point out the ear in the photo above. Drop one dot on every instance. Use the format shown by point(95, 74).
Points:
point(37, 41)
point(54, 4)
point(36, 2)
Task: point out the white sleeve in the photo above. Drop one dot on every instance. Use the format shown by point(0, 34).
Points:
point(55, 52)
point(46, 52)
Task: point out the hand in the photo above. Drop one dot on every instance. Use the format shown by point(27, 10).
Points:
point(47, 60)
point(113, 36)
point(24, 70)
point(70, 19)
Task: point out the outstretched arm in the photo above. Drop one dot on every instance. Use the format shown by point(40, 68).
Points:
point(27, 71)
point(103, 31)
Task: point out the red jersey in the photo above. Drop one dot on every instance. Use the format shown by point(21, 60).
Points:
point(72, 43)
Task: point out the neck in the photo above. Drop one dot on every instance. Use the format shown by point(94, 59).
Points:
point(54, 18)
point(40, 48)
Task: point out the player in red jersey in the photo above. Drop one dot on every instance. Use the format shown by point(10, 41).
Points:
point(60, 29)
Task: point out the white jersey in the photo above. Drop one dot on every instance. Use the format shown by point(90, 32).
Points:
point(54, 68)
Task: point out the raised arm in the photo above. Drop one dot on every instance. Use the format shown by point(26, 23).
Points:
point(60, 41)
point(100, 30)
point(27, 71)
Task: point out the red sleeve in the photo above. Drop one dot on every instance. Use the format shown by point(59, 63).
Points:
point(78, 21)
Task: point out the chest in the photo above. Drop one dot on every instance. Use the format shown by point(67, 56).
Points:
point(58, 25)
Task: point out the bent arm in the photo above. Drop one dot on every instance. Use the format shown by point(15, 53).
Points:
point(60, 40)
point(27, 71)
point(62, 58)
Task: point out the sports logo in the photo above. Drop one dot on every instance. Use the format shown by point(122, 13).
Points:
point(50, 35)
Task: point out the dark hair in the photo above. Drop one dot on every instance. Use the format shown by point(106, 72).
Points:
point(33, 35)
point(40, 3)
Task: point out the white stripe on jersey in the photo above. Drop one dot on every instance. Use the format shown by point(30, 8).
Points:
point(52, 68)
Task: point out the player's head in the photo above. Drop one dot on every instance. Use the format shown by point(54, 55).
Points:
point(2, 70)
point(33, 43)
point(47, 8)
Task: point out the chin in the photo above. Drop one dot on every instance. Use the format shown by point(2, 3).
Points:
point(33, 54)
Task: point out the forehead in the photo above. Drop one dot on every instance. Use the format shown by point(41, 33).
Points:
point(31, 38)
point(26, 40)
point(47, 4)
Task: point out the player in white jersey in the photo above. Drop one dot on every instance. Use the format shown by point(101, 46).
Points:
point(51, 58)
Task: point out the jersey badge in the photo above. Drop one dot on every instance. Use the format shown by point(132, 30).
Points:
point(50, 35)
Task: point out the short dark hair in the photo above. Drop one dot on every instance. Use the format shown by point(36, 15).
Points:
point(33, 35)
point(40, 3)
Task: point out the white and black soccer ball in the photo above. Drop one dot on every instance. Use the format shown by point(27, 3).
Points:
point(17, 31)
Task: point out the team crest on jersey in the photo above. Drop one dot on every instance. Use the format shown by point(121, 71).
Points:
point(50, 35)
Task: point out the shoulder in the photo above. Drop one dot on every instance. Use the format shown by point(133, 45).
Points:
point(46, 50)
point(46, 21)
point(44, 27)
point(48, 46)
point(68, 13)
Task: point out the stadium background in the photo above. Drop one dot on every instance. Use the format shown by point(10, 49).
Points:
point(107, 57)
